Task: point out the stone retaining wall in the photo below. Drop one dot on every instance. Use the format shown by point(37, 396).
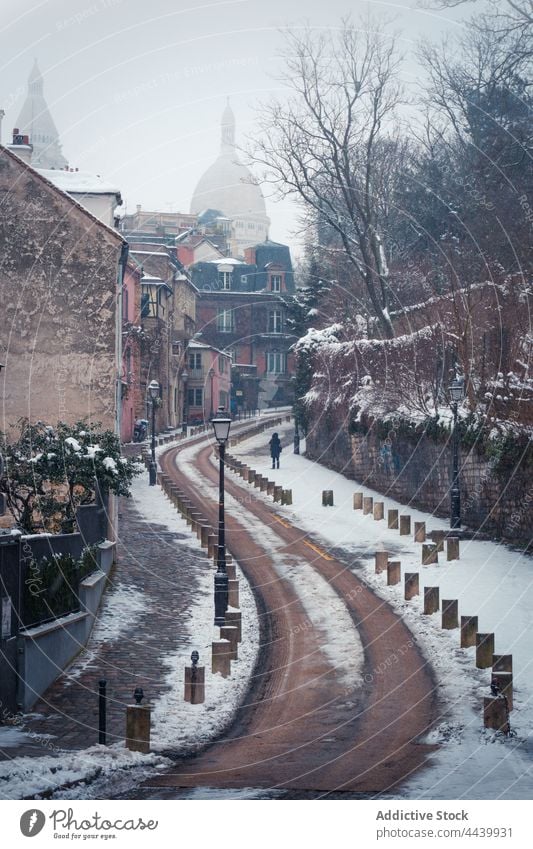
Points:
point(418, 472)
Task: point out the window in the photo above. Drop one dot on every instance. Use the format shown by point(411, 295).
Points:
point(221, 365)
point(225, 321)
point(195, 397)
point(222, 399)
point(275, 283)
point(274, 321)
point(225, 279)
point(276, 362)
point(145, 305)
point(195, 361)
point(232, 353)
point(244, 278)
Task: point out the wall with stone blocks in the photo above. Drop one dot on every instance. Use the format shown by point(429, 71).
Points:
point(418, 472)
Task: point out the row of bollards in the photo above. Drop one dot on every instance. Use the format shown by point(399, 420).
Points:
point(496, 707)
point(225, 649)
point(251, 476)
point(402, 523)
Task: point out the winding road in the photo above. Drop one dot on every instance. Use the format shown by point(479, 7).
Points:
point(301, 728)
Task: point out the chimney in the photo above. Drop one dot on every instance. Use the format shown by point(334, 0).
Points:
point(21, 146)
point(2, 115)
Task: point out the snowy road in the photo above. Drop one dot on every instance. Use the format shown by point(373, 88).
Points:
point(314, 719)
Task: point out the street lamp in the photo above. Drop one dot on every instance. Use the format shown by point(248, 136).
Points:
point(457, 391)
point(153, 392)
point(221, 425)
point(296, 428)
point(184, 379)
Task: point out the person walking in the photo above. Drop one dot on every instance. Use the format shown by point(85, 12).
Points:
point(275, 450)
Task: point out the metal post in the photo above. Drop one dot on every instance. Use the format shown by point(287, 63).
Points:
point(102, 703)
point(455, 493)
point(296, 436)
point(153, 464)
point(221, 576)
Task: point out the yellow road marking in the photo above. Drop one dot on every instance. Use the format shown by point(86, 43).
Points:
point(306, 542)
point(318, 550)
point(285, 524)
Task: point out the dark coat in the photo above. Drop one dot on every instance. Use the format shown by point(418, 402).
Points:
point(275, 446)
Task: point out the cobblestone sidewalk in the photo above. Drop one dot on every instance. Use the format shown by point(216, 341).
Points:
point(146, 603)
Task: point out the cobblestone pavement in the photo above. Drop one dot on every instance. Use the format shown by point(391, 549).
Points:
point(161, 577)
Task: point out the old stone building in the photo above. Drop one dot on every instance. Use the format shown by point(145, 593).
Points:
point(167, 322)
point(61, 278)
point(242, 310)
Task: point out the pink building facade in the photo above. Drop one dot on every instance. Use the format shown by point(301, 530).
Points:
point(208, 377)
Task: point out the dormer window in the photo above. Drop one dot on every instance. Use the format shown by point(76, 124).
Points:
point(275, 282)
point(225, 279)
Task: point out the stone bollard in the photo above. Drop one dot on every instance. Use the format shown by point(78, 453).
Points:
point(468, 631)
point(394, 572)
point(138, 724)
point(270, 487)
point(230, 568)
point(450, 614)
point(221, 657)
point(358, 501)
point(257, 480)
point(246, 473)
point(205, 532)
point(420, 531)
point(429, 553)
point(381, 561)
point(327, 498)
point(495, 714)
point(392, 520)
point(503, 681)
point(278, 493)
point(411, 585)
point(233, 591)
point(452, 548)
point(484, 650)
point(234, 617)
point(368, 504)
point(264, 484)
point(230, 633)
point(502, 663)
point(251, 475)
point(195, 681)
point(405, 526)
point(286, 496)
point(438, 538)
point(431, 600)
point(212, 540)
point(379, 510)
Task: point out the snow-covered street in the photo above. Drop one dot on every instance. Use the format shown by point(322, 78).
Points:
point(490, 580)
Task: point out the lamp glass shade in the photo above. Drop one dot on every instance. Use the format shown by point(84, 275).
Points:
point(456, 390)
point(221, 425)
point(153, 389)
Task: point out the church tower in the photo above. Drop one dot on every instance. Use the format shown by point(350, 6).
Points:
point(36, 122)
point(230, 188)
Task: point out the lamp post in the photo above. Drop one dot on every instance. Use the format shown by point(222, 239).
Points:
point(211, 375)
point(184, 379)
point(296, 427)
point(221, 425)
point(153, 392)
point(456, 390)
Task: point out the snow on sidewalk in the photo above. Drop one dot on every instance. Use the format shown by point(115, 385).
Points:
point(490, 580)
point(176, 724)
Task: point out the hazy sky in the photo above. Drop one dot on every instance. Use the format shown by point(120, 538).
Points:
point(137, 87)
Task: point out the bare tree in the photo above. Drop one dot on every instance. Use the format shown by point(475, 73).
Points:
point(331, 142)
